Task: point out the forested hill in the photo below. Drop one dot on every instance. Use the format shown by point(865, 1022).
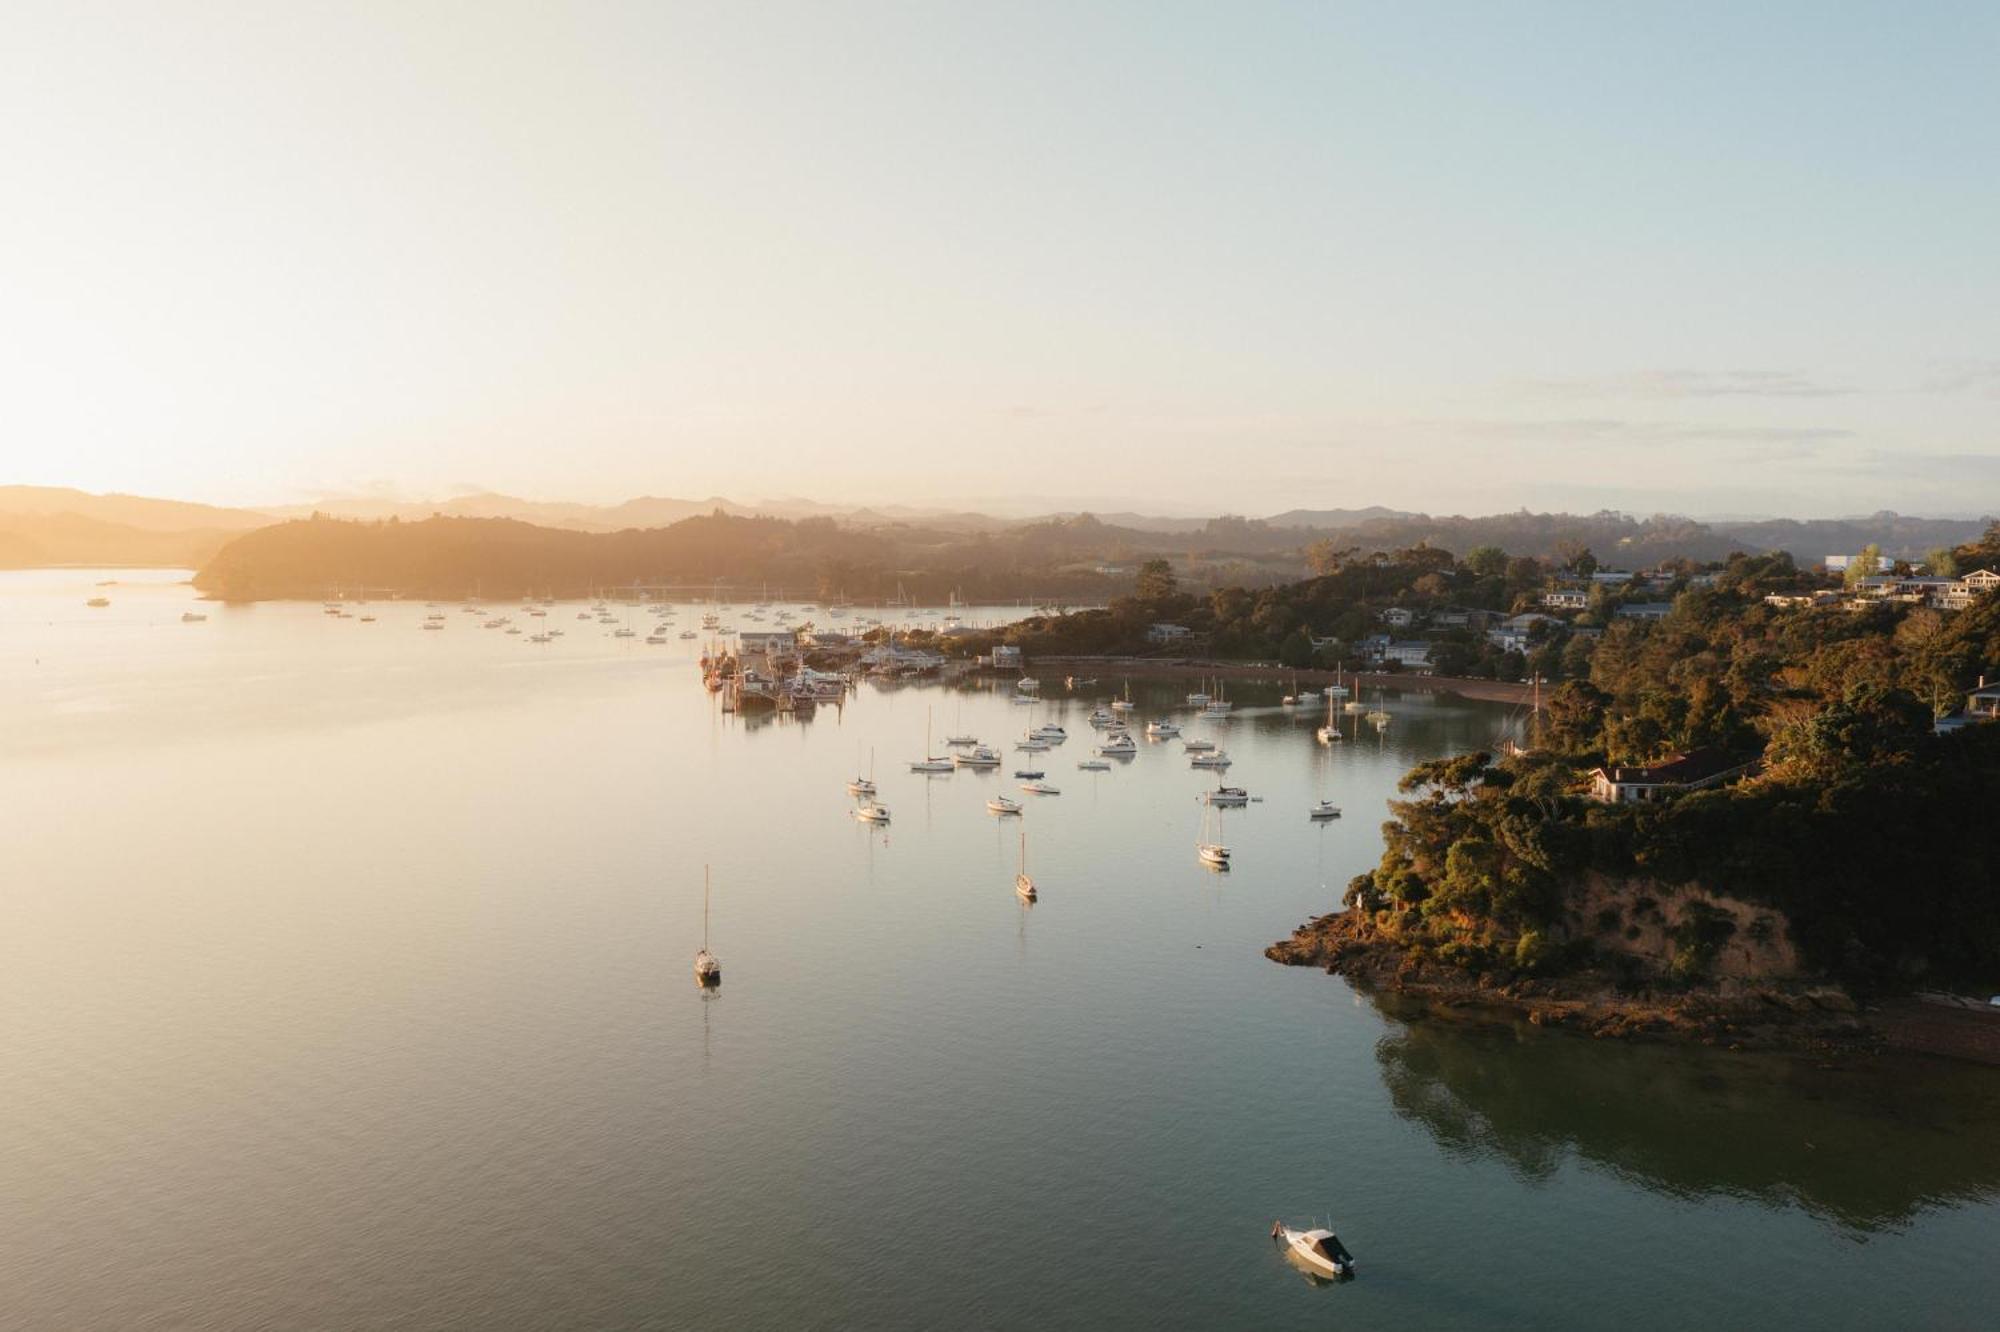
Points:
point(454, 557)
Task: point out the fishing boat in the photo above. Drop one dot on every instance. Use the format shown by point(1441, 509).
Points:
point(1218, 758)
point(979, 756)
point(1320, 1251)
point(1002, 805)
point(707, 966)
point(1227, 797)
point(1024, 886)
point(1037, 786)
point(1325, 809)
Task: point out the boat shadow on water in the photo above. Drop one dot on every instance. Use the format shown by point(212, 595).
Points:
point(1865, 1144)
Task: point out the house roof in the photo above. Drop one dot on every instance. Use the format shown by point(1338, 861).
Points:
point(1694, 766)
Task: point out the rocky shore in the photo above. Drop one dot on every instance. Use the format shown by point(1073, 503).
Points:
point(1745, 1014)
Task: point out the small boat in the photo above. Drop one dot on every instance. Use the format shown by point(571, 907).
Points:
point(1036, 786)
point(688, 633)
point(1226, 797)
point(1100, 718)
point(1162, 729)
point(930, 762)
point(1325, 809)
point(1213, 854)
point(1093, 765)
point(1124, 704)
point(1050, 732)
point(1002, 805)
point(1329, 734)
point(541, 638)
point(1319, 1250)
point(1216, 759)
point(1197, 746)
point(707, 966)
point(871, 813)
point(191, 617)
point(366, 619)
point(1031, 742)
point(98, 603)
point(956, 741)
point(979, 756)
point(1117, 745)
point(1023, 885)
point(432, 625)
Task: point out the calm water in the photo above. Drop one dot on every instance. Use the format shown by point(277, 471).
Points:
point(345, 981)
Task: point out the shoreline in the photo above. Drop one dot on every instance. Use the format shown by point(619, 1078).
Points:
point(1491, 691)
point(1800, 1017)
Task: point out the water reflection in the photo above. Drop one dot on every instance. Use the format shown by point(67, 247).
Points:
point(1868, 1144)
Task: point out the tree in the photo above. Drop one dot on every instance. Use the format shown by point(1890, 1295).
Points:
point(1864, 565)
point(1942, 563)
point(1325, 558)
point(1156, 581)
point(1486, 561)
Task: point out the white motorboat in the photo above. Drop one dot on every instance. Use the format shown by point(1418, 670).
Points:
point(1197, 746)
point(1120, 745)
point(1325, 809)
point(1101, 718)
point(1050, 732)
point(1002, 805)
point(1162, 729)
point(1320, 1251)
point(957, 741)
point(979, 756)
point(1226, 797)
point(871, 813)
point(1040, 787)
point(1031, 743)
point(1093, 765)
point(1215, 759)
point(707, 966)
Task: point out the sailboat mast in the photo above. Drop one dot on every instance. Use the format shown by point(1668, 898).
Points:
point(704, 908)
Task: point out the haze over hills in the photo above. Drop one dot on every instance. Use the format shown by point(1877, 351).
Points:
point(53, 526)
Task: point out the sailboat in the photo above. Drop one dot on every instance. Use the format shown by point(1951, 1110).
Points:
point(864, 786)
point(1208, 848)
point(1329, 734)
point(930, 763)
point(1023, 885)
point(1124, 704)
point(707, 967)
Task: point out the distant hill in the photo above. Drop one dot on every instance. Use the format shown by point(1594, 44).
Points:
point(34, 541)
point(132, 511)
point(1899, 537)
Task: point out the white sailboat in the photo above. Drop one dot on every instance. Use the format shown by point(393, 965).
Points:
point(707, 966)
point(1024, 886)
point(930, 761)
point(1329, 734)
point(1124, 704)
point(864, 786)
point(1208, 847)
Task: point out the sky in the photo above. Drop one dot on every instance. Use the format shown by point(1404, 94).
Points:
point(1709, 258)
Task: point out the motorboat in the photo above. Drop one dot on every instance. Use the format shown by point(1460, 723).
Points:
point(1101, 718)
point(1325, 809)
point(194, 617)
point(1050, 732)
point(1032, 743)
point(1162, 729)
point(1093, 765)
point(98, 603)
point(1040, 787)
point(432, 625)
point(1226, 797)
point(979, 756)
point(1029, 774)
point(1118, 744)
point(871, 813)
point(1197, 746)
point(1003, 805)
point(1320, 1251)
point(1216, 759)
point(955, 741)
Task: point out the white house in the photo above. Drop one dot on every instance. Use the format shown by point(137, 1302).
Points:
point(1169, 633)
point(1398, 617)
point(1567, 598)
point(1629, 784)
point(1412, 654)
point(1645, 610)
point(1006, 657)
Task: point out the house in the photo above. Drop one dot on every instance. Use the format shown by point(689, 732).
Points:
point(1645, 610)
point(1981, 705)
point(1412, 654)
point(774, 645)
point(1692, 771)
point(1514, 633)
point(1611, 578)
point(1567, 598)
point(1980, 580)
point(1398, 617)
point(1006, 657)
point(1169, 633)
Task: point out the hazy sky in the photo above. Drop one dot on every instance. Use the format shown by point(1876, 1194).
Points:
point(1181, 257)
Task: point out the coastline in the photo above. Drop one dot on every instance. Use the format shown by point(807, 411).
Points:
point(1817, 1019)
point(1491, 691)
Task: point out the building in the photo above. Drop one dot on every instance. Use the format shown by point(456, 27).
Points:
point(1412, 654)
point(1006, 657)
point(1398, 617)
point(1981, 705)
point(1567, 598)
point(1169, 633)
point(1645, 610)
point(774, 645)
point(1516, 632)
point(1693, 771)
